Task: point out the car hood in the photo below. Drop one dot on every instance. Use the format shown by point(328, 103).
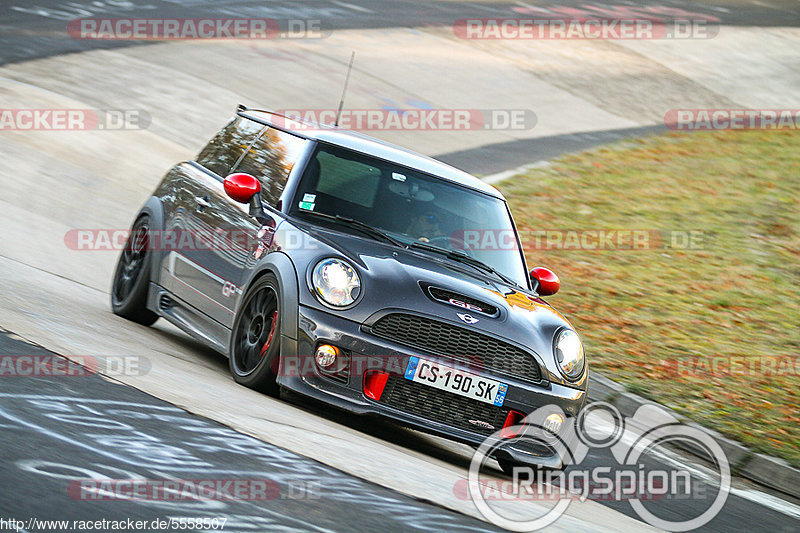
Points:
point(394, 278)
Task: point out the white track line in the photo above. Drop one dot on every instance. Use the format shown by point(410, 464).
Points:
point(709, 476)
point(354, 7)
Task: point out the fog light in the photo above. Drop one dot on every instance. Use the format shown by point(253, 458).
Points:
point(553, 423)
point(326, 355)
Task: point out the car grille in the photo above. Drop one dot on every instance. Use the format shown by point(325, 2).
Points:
point(442, 406)
point(459, 343)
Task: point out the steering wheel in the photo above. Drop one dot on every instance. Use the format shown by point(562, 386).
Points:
point(448, 242)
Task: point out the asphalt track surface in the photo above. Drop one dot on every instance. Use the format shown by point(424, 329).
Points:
point(41, 455)
point(56, 431)
point(499, 157)
point(37, 28)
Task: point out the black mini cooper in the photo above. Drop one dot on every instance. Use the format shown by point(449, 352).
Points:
point(336, 266)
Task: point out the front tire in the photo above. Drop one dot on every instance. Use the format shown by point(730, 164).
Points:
point(132, 276)
point(255, 341)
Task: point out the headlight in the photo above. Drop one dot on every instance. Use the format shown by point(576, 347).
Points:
point(335, 282)
point(569, 353)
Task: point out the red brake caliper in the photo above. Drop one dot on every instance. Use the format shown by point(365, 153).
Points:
point(271, 334)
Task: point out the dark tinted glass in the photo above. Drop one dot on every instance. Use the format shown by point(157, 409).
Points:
point(270, 159)
point(224, 150)
point(411, 206)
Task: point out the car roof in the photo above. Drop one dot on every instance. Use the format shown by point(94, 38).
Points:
point(365, 144)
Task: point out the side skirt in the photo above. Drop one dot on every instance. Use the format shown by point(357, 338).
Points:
point(188, 319)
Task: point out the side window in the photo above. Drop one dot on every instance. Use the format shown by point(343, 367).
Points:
point(270, 159)
point(227, 146)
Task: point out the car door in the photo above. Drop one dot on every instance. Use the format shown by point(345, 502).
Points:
point(194, 270)
point(269, 158)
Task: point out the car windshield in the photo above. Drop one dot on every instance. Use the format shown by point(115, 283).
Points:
point(410, 206)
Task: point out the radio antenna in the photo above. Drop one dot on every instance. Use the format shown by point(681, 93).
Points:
point(344, 91)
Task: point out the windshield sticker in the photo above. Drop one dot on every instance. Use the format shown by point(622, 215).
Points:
point(397, 176)
point(308, 206)
point(309, 197)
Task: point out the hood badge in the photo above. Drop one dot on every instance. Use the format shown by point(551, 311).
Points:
point(466, 317)
point(465, 305)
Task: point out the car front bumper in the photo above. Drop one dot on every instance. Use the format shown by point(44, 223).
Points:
point(299, 373)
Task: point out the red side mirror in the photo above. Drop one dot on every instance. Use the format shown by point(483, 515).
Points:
point(547, 280)
point(241, 187)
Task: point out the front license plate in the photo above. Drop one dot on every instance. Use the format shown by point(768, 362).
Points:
point(457, 381)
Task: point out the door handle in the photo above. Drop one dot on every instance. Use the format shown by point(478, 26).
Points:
point(202, 202)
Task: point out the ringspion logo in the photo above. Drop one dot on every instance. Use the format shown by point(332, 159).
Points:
point(571, 438)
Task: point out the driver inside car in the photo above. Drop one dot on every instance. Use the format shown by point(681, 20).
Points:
point(425, 228)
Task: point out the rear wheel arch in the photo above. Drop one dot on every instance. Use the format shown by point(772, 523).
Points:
point(132, 274)
point(155, 210)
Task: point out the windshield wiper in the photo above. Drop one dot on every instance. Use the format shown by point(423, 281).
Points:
point(461, 257)
point(361, 226)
